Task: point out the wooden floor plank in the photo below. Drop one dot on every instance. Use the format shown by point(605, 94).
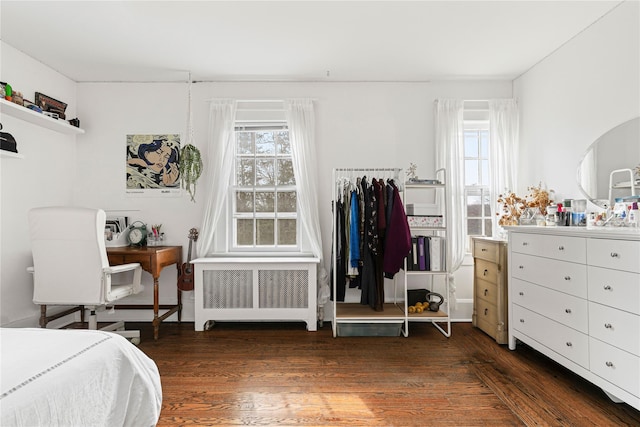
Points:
point(272, 374)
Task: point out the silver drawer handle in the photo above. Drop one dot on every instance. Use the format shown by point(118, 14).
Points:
point(609, 364)
point(521, 320)
point(561, 248)
point(525, 243)
point(521, 293)
point(607, 287)
point(567, 310)
point(567, 277)
point(521, 267)
point(483, 250)
point(608, 325)
point(569, 344)
point(614, 255)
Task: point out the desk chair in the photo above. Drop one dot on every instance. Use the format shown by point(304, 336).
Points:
point(70, 265)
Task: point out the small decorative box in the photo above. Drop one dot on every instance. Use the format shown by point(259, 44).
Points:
point(423, 209)
point(425, 221)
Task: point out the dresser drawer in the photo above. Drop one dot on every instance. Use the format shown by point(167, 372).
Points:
point(615, 327)
point(615, 288)
point(487, 250)
point(566, 309)
point(565, 341)
point(532, 244)
point(614, 365)
point(616, 254)
point(563, 276)
point(486, 291)
point(562, 248)
point(486, 270)
point(487, 312)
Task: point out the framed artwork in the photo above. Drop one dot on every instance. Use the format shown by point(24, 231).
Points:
point(153, 165)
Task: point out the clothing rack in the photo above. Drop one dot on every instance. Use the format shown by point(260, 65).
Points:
point(354, 314)
point(388, 173)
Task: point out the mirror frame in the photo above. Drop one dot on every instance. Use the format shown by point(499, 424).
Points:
point(602, 203)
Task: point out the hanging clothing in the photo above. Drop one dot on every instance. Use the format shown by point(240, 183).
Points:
point(354, 231)
point(369, 279)
point(398, 242)
point(339, 235)
point(368, 217)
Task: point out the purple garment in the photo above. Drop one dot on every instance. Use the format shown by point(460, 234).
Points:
point(398, 241)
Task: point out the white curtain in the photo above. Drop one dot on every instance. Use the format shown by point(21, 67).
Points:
point(222, 115)
point(301, 122)
point(503, 150)
point(450, 156)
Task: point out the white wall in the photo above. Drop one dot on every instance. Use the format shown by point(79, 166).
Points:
point(574, 96)
point(46, 176)
point(357, 125)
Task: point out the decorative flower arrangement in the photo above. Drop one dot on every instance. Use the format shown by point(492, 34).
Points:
point(513, 206)
point(540, 198)
point(412, 171)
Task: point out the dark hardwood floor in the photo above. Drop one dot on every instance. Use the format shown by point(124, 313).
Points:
point(274, 374)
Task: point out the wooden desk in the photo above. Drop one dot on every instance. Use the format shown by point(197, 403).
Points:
point(152, 259)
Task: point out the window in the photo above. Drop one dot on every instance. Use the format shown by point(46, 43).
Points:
point(476, 179)
point(264, 204)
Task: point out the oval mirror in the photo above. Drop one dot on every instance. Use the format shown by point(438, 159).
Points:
point(617, 150)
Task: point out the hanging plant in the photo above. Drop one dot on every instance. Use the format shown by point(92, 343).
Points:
point(190, 168)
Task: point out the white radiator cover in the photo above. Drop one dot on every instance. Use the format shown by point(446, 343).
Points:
point(254, 289)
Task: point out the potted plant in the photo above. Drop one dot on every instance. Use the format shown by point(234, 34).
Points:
point(190, 168)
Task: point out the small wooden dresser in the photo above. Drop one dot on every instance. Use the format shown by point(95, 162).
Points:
point(490, 287)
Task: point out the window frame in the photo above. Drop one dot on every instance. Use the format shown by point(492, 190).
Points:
point(481, 190)
point(234, 215)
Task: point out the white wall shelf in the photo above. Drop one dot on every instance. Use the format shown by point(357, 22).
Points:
point(38, 119)
point(10, 154)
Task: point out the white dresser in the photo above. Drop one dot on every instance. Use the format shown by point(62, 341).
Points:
point(574, 295)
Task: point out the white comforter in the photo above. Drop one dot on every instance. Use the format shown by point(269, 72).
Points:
point(75, 378)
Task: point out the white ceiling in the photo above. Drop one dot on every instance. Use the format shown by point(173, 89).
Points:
point(293, 40)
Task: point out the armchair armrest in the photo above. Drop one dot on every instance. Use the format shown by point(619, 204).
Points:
point(115, 269)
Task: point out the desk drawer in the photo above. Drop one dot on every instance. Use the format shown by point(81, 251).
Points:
point(116, 259)
point(144, 260)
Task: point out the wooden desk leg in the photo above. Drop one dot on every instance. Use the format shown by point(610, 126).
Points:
point(156, 307)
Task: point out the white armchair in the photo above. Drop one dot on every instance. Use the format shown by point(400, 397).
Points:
point(70, 265)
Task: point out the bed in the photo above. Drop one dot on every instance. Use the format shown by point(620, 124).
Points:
point(75, 378)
